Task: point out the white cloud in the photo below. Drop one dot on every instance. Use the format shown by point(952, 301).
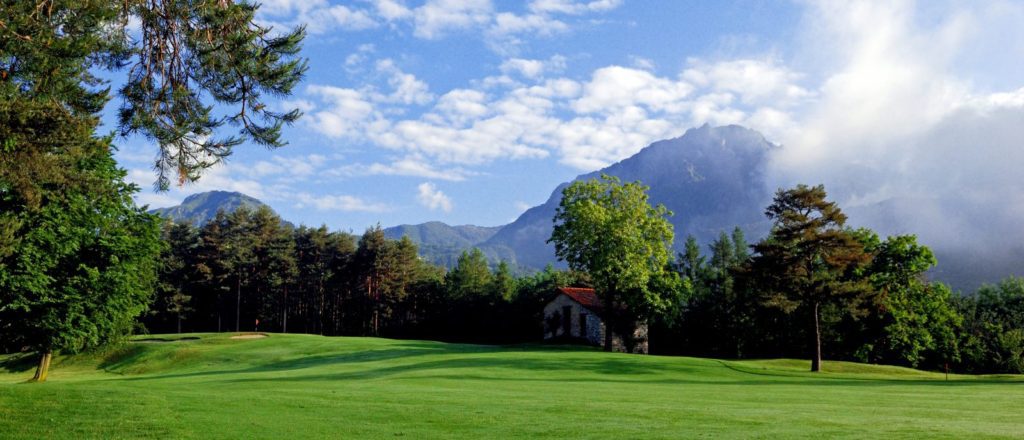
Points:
point(756, 82)
point(437, 17)
point(411, 166)
point(406, 88)
point(318, 16)
point(462, 105)
point(613, 114)
point(343, 112)
point(431, 197)
point(344, 203)
point(573, 7)
point(392, 10)
point(533, 69)
point(614, 87)
point(508, 25)
point(503, 31)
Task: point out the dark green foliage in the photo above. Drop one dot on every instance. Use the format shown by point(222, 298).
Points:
point(993, 333)
point(914, 322)
point(84, 266)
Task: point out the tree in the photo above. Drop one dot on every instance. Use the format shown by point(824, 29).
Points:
point(609, 230)
point(503, 284)
point(993, 337)
point(691, 262)
point(809, 260)
point(471, 278)
point(184, 54)
point(64, 201)
point(85, 265)
point(177, 271)
point(917, 318)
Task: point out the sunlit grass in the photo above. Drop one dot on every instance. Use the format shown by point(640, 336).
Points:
point(301, 386)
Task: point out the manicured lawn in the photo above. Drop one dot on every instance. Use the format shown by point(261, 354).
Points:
point(301, 386)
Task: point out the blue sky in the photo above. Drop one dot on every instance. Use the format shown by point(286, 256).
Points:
point(471, 111)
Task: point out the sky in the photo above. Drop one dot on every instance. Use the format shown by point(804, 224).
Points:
point(471, 111)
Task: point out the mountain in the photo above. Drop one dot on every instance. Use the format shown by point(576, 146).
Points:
point(712, 178)
point(440, 243)
point(202, 207)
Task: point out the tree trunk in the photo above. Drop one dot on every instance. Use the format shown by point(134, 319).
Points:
point(238, 305)
point(179, 322)
point(284, 318)
point(43, 370)
point(816, 360)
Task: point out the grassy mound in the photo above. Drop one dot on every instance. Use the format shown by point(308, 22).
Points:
point(212, 386)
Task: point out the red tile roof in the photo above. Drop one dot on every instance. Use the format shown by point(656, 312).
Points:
point(583, 295)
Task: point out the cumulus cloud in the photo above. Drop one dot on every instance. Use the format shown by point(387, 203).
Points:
point(503, 31)
point(533, 69)
point(585, 124)
point(436, 17)
point(432, 198)
point(411, 166)
point(343, 203)
point(573, 7)
point(406, 88)
point(318, 16)
point(898, 127)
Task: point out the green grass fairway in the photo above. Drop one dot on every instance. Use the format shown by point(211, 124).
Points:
point(301, 386)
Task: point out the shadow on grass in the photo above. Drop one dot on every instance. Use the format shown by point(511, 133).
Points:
point(19, 363)
point(407, 361)
point(607, 371)
point(181, 339)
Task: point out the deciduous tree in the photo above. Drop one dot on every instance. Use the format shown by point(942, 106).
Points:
point(609, 230)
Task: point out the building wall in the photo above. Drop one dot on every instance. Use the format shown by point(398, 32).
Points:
point(555, 328)
point(592, 330)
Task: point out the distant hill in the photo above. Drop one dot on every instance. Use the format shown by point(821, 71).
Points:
point(440, 243)
point(200, 208)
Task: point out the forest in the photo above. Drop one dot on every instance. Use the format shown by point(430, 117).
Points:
point(248, 265)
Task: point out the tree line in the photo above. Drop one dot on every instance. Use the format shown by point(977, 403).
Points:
point(248, 266)
point(846, 292)
point(820, 289)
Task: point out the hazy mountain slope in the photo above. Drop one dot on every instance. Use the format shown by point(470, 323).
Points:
point(712, 178)
point(440, 243)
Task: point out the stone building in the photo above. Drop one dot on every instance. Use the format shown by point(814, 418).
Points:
point(575, 315)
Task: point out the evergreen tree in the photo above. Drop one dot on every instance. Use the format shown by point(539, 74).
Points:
point(177, 274)
point(471, 278)
point(810, 261)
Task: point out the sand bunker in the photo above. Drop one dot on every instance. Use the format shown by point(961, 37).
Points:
point(257, 336)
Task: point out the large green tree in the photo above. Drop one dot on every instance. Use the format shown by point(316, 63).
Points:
point(611, 231)
point(917, 322)
point(193, 66)
point(810, 260)
point(84, 266)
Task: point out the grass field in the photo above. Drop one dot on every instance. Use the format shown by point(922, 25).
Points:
point(301, 386)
